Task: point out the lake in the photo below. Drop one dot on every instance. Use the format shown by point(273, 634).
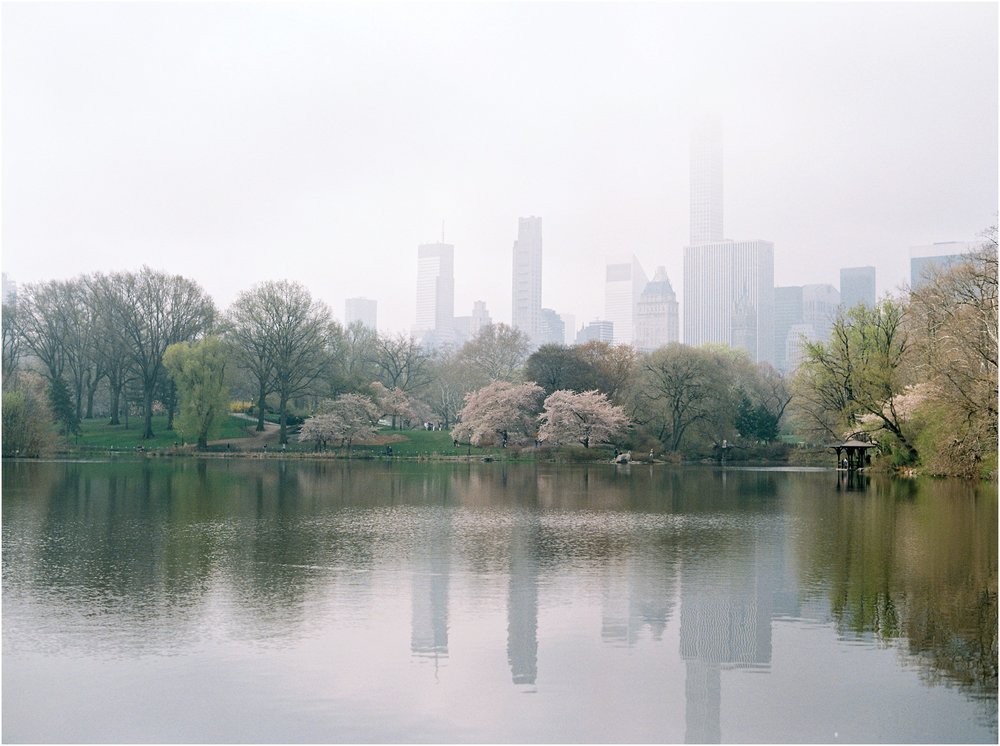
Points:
point(264, 600)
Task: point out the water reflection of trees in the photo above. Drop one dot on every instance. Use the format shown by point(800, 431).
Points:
point(156, 543)
point(913, 562)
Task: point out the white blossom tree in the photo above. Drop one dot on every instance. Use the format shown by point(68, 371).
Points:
point(392, 403)
point(348, 418)
point(501, 413)
point(586, 418)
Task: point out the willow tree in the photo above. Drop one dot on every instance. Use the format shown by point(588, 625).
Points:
point(199, 371)
point(857, 378)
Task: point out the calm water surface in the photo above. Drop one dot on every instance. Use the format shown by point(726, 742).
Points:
point(370, 602)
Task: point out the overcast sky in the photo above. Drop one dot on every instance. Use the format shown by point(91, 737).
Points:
point(321, 142)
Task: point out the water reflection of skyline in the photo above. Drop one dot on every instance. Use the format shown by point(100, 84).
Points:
point(733, 551)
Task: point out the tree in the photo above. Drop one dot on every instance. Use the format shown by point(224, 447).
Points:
point(445, 394)
point(496, 353)
point(199, 371)
point(62, 407)
point(613, 365)
point(953, 321)
point(352, 357)
point(107, 293)
point(348, 418)
point(279, 333)
point(499, 413)
point(585, 418)
point(12, 341)
point(679, 386)
point(400, 363)
point(151, 311)
point(555, 367)
point(393, 403)
point(859, 373)
point(26, 417)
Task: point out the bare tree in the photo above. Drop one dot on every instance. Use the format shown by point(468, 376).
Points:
point(152, 311)
point(497, 353)
point(12, 340)
point(401, 363)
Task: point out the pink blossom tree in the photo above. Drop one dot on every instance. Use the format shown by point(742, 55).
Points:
point(392, 403)
point(348, 418)
point(585, 418)
point(499, 413)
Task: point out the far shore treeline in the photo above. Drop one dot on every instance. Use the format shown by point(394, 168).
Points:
point(916, 374)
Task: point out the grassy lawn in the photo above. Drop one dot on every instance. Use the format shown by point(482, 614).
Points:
point(97, 433)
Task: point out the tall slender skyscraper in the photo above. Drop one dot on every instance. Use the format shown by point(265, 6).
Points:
point(435, 289)
point(706, 183)
point(728, 285)
point(526, 280)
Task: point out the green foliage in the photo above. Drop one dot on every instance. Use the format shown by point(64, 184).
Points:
point(63, 408)
point(26, 420)
point(199, 369)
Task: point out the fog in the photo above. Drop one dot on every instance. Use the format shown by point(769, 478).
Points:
point(321, 142)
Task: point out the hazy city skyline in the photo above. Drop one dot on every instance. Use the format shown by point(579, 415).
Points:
point(234, 143)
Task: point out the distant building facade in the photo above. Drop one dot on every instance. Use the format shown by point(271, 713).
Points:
point(435, 293)
point(596, 331)
point(729, 296)
point(935, 257)
point(623, 284)
point(801, 313)
point(657, 321)
point(787, 314)
point(706, 183)
point(857, 286)
point(553, 328)
point(526, 282)
point(364, 310)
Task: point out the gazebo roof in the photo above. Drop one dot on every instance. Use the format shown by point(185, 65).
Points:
point(854, 444)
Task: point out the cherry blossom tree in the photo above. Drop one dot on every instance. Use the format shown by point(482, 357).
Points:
point(393, 403)
point(499, 413)
point(348, 418)
point(584, 418)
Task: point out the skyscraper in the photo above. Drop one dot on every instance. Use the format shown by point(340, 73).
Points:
point(728, 285)
point(553, 330)
point(623, 285)
point(435, 290)
point(729, 296)
point(656, 317)
point(364, 310)
point(706, 183)
point(596, 331)
point(857, 285)
point(936, 257)
point(526, 280)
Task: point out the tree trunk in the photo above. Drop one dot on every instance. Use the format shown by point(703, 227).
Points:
point(147, 414)
point(261, 400)
point(116, 402)
point(283, 417)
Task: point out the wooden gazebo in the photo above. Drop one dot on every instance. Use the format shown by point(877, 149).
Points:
point(852, 454)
